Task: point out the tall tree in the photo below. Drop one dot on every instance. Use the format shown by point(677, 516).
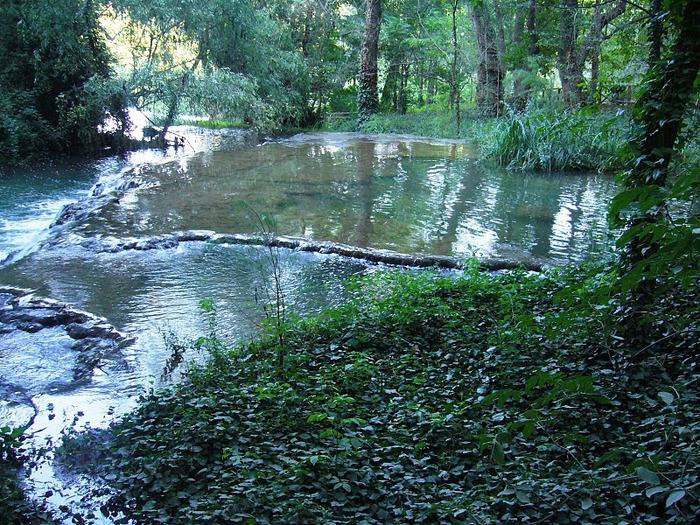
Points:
point(241, 60)
point(570, 56)
point(489, 81)
point(526, 49)
point(601, 20)
point(397, 51)
point(368, 96)
point(54, 77)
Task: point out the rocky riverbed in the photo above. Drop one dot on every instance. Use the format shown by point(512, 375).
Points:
point(47, 347)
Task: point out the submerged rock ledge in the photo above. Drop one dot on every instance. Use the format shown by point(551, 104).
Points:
point(113, 245)
point(92, 338)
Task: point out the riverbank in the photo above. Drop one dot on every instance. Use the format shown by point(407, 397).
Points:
point(510, 399)
point(547, 138)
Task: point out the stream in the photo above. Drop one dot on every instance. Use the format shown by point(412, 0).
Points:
point(103, 262)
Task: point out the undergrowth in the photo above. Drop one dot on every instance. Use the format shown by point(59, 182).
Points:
point(555, 140)
point(427, 123)
point(427, 399)
point(15, 506)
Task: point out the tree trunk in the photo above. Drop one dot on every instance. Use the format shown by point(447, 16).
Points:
point(569, 57)
point(661, 109)
point(367, 96)
point(525, 30)
point(454, 76)
point(389, 91)
point(489, 75)
point(656, 32)
point(402, 103)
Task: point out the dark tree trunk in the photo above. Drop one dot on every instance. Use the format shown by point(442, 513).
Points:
point(570, 59)
point(454, 76)
point(367, 97)
point(402, 98)
point(394, 95)
point(533, 36)
point(661, 109)
point(656, 31)
point(388, 98)
point(489, 75)
point(525, 30)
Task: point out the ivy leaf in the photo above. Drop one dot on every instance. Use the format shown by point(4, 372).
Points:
point(651, 491)
point(497, 453)
point(667, 397)
point(649, 476)
point(674, 497)
point(586, 503)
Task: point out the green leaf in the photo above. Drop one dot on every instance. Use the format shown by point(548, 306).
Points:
point(497, 453)
point(586, 503)
point(674, 497)
point(651, 491)
point(667, 397)
point(523, 497)
point(649, 476)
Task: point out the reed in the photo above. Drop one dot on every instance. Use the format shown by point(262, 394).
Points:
point(548, 140)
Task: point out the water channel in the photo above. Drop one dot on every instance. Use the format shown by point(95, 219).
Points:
point(123, 244)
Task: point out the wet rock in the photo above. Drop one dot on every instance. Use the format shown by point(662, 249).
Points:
point(129, 184)
point(157, 243)
point(24, 311)
point(16, 407)
point(93, 331)
point(161, 242)
point(68, 344)
point(195, 235)
point(30, 328)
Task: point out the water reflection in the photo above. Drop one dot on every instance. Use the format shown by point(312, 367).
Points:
point(388, 192)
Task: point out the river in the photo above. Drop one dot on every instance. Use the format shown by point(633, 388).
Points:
point(125, 245)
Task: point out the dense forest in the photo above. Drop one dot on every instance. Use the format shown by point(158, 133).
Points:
point(569, 396)
point(71, 68)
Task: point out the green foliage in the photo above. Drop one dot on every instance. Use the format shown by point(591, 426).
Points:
point(15, 507)
point(430, 123)
point(227, 60)
point(428, 399)
point(659, 203)
point(548, 140)
point(54, 78)
point(673, 240)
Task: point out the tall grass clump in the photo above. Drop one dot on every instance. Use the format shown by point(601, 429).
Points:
point(550, 140)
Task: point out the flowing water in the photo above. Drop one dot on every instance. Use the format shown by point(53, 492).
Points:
point(66, 230)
